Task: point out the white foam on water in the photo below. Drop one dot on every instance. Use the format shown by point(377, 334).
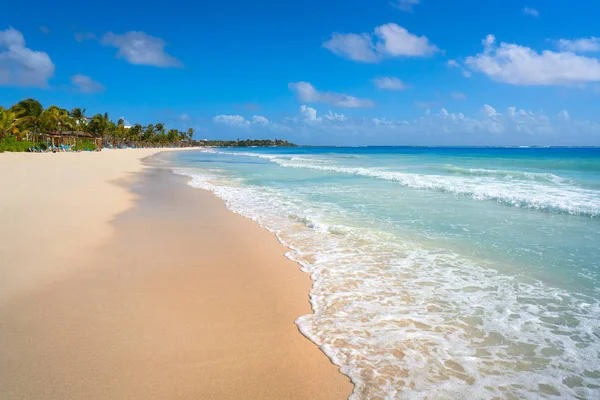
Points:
point(406, 322)
point(539, 176)
point(546, 192)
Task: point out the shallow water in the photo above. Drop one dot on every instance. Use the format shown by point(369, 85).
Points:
point(438, 273)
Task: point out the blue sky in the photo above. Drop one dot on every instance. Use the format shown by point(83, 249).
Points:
point(428, 72)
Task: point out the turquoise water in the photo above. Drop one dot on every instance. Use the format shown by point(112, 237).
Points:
point(438, 273)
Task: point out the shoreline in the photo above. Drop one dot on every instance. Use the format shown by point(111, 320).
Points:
point(136, 315)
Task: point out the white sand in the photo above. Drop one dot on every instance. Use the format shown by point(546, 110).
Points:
point(105, 295)
point(54, 206)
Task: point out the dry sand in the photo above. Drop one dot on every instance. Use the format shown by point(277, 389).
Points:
point(175, 298)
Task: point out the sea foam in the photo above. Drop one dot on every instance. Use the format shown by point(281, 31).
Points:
point(403, 321)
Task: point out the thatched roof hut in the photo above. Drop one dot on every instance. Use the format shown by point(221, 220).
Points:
point(77, 133)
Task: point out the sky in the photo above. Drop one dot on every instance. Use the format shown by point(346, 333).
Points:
point(321, 72)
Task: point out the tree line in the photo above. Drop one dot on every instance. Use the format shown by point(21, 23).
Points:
point(28, 119)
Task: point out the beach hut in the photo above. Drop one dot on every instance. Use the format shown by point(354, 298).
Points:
point(69, 138)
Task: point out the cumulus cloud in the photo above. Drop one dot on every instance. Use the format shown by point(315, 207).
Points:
point(387, 41)
point(406, 5)
point(21, 66)
point(258, 119)
point(233, 120)
point(309, 94)
point(388, 123)
point(308, 115)
point(520, 65)
point(389, 83)
point(531, 12)
point(241, 122)
point(584, 45)
point(141, 49)
point(331, 116)
point(85, 84)
point(487, 126)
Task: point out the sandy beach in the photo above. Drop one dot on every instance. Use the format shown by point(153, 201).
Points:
point(118, 281)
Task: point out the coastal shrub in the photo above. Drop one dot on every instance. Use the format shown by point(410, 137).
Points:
point(11, 143)
point(85, 145)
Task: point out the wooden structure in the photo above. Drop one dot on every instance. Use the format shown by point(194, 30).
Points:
point(69, 138)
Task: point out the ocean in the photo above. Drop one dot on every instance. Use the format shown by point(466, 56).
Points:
point(439, 273)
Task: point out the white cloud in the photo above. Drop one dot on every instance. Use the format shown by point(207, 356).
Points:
point(45, 30)
point(458, 95)
point(257, 119)
point(488, 126)
point(519, 65)
point(406, 5)
point(514, 123)
point(308, 114)
point(389, 40)
point(455, 64)
point(241, 122)
point(85, 84)
point(357, 47)
point(397, 41)
point(389, 83)
point(141, 49)
point(584, 45)
point(21, 66)
point(389, 124)
point(531, 12)
point(331, 116)
point(308, 94)
point(490, 111)
point(233, 120)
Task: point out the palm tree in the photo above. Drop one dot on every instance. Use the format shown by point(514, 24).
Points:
point(160, 130)
point(7, 122)
point(57, 119)
point(29, 114)
point(190, 134)
point(148, 133)
point(78, 116)
point(135, 132)
point(172, 135)
point(98, 125)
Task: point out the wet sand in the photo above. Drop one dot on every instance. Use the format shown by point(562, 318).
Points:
point(181, 300)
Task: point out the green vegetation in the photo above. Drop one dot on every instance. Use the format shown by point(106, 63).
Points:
point(85, 145)
point(11, 143)
point(29, 120)
point(23, 125)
